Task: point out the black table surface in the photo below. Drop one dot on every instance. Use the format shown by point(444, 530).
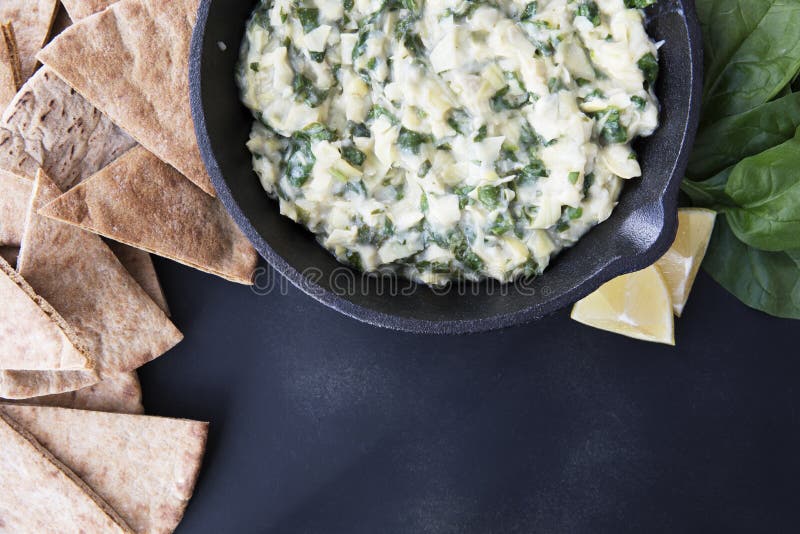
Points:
point(320, 424)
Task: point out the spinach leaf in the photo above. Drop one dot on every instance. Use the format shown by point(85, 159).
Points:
point(639, 4)
point(503, 100)
point(489, 196)
point(612, 131)
point(411, 141)
point(709, 193)
point(766, 281)
point(309, 18)
point(353, 156)
point(727, 141)
point(648, 64)
point(529, 12)
point(380, 111)
point(459, 120)
point(766, 191)
point(299, 160)
point(589, 10)
point(753, 51)
point(306, 92)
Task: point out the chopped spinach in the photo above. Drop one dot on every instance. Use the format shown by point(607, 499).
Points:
point(459, 120)
point(529, 12)
point(502, 99)
point(380, 111)
point(489, 196)
point(589, 10)
point(639, 102)
point(353, 156)
point(612, 131)
point(306, 92)
point(309, 18)
point(411, 141)
point(648, 64)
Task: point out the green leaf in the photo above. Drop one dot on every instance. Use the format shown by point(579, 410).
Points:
point(639, 4)
point(766, 191)
point(648, 64)
point(411, 141)
point(489, 195)
point(353, 156)
point(709, 193)
point(766, 281)
point(589, 10)
point(529, 12)
point(309, 18)
point(752, 52)
point(727, 141)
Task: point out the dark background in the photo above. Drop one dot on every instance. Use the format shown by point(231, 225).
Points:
point(320, 424)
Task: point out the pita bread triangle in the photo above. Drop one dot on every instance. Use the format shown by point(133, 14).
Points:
point(80, 9)
point(32, 20)
point(145, 203)
point(50, 126)
point(140, 266)
point(120, 393)
point(40, 494)
point(15, 194)
point(10, 68)
point(144, 467)
point(130, 61)
point(83, 280)
point(33, 336)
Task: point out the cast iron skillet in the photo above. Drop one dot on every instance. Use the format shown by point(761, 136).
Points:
point(639, 232)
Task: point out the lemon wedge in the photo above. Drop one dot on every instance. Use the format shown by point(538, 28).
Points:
point(681, 263)
point(636, 305)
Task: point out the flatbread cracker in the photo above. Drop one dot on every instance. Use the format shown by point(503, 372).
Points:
point(140, 266)
point(144, 467)
point(15, 194)
point(32, 20)
point(141, 201)
point(80, 9)
point(79, 275)
point(131, 62)
point(18, 385)
point(33, 336)
point(49, 126)
point(10, 68)
point(40, 494)
point(120, 393)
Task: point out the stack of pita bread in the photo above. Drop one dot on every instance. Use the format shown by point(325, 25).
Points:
point(99, 168)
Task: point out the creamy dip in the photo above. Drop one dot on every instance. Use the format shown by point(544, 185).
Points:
point(447, 139)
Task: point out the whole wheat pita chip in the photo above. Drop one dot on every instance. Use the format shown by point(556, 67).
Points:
point(120, 393)
point(18, 385)
point(131, 62)
point(15, 194)
point(9, 254)
point(82, 279)
point(10, 68)
point(144, 467)
point(49, 126)
point(39, 494)
point(32, 20)
point(33, 336)
point(140, 266)
point(141, 201)
point(80, 9)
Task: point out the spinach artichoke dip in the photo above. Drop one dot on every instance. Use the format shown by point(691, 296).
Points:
point(448, 139)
